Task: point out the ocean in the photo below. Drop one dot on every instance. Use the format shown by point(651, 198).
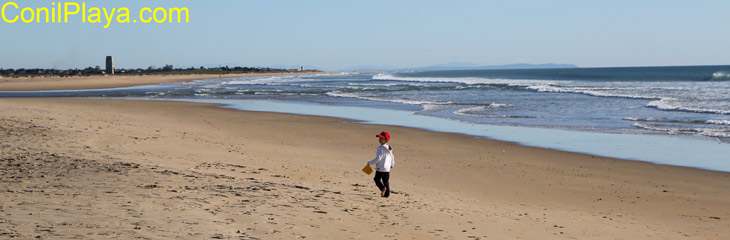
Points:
point(688, 103)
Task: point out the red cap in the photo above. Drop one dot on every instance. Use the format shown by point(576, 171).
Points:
point(384, 134)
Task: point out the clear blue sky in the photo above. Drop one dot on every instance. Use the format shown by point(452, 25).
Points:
point(337, 34)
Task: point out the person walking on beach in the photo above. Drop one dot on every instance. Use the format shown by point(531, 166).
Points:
point(384, 161)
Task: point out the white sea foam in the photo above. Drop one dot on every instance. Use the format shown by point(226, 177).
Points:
point(718, 122)
point(378, 99)
point(433, 107)
point(687, 99)
point(155, 93)
point(473, 111)
point(713, 132)
point(250, 81)
point(707, 132)
point(378, 84)
point(466, 80)
point(700, 97)
point(342, 94)
point(209, 86)
point(264, 80)
point(672, 104)
point(243, 92)
point(721, 75)
point(640, 119)
point(536, 85)
point(470, 111)
point(668, 130)
point(664, 120)
point(591, 91)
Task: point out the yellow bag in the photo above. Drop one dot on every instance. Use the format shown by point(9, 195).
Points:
point(367, 169)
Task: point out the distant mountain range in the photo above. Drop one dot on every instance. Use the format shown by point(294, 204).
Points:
point(460, 66)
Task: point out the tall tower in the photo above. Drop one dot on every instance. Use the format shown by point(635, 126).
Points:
point(109, 65)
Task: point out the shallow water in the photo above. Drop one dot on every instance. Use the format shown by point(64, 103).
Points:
point(694, 152)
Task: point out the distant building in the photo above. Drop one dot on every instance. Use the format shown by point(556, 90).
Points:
point(301, 69)
point(109, 65)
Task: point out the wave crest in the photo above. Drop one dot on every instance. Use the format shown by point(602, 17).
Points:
point(475, 111)
point(467, 80)
point(707, 132)
point(718, 122)
point(721, 76)
point(392, 100)
point(671, 104)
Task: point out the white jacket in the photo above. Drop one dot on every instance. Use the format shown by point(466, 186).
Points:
point(384, 159)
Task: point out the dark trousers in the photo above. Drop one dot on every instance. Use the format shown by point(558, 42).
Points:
point(384, 177)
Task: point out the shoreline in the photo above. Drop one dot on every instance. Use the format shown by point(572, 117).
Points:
point(660, 149)
point(668, 150)
point(115, 81)
point(670, 154)
point(495, 189)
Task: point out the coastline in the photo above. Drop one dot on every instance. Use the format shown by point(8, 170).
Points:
point(493, 189)
point(114, 81)
point(656, 149)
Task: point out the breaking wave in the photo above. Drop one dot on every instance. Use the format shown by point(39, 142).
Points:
point(664, 120)
point(673, 104)
point(718, 122)
point(479, 111)
point(707, 132)
point(381, 99)
point(673, 96)
point(466, 80)
point(721, 76)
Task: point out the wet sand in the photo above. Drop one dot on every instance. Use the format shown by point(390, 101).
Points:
point(90, 169)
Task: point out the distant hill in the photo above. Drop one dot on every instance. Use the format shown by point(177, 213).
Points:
point(532, 66)
point(462, 66)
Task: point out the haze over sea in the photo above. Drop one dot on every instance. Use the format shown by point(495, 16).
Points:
point(689, 103)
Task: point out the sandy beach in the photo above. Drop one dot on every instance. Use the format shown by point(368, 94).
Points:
point(90, 169)
point(255, 120)
point(110, 81)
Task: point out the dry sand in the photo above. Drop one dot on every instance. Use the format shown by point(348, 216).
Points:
point(110, 81)
point(91, 169)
